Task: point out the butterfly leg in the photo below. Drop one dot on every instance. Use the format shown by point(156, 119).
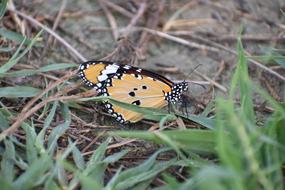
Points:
point(184, 102)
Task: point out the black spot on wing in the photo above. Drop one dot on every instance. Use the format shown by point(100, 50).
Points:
point(137, 102)
point(132, 94)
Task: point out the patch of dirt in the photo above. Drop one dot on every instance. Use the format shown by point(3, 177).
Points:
point(212, 25)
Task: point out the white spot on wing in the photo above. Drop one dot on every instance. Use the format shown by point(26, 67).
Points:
point(110, 69)
point(102, 77)
point(127, 67)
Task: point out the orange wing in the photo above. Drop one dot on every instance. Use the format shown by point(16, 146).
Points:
point(139, 90)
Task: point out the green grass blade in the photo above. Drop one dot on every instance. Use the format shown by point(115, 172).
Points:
point(87, 183)
point(5, 185)
point(57, 66)
point(21, 73)
point(245, 88)
point(272, 157)
point(189, 139)
point(51, 115)
point(212, 177)
point(171, 181)
point(6, 49)
point(18, 91)
point(30, 72)
point(144, 176)
point(142, 168)
point(51, 185)
point(144, 184)
point(61, 175)
point(156, 114)
point(3, 6)
point(115, 157)
point(149, 113)
point(4, 122)
point(204, 121)
point(8, 161)
point(31, 150)
point(95, 168)
point(60, 129)
point(111, 184)
point(96, 157)
point(78, 158)
point(15, 36)
point(40, 139)
point(16, 57)
point(31, 176)
point(59, 170)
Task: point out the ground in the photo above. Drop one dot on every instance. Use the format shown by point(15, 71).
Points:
point(198, 44)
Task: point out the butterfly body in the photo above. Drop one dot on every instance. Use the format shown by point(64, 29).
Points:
point(130, 85)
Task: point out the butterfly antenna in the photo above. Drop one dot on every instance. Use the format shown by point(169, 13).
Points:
point(195, 68)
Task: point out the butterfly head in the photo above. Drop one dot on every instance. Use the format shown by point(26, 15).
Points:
point(176, 92)
point(184, 86)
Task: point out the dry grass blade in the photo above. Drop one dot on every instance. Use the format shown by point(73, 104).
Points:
point(17, 20)
point(111, 20)
point(119, 9)
point(181, 40)
point(28, 110)
point(121, 143)
point(230, 37)
point(58, 17)
point(152, 22)
point(219, 86)
point(185, 7)
point(55, 35)
point(256, 63)
point(175, 24)
point(135, 19)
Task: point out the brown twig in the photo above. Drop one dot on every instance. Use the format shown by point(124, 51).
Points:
point(229, 37)
point(185, 7)
point(219, 86)
point(135, 19)
point(181, 40)
point(152, 23)
point(220, 70)
point(93, 141)
point(127, 141)
point(119, 9)
point(111, 19)
point(28, 110)
point(75, 53)
point(17, 20)
point(112, 146)
point(57, 19)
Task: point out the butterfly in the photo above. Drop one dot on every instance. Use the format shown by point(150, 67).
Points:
point(131, 85)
